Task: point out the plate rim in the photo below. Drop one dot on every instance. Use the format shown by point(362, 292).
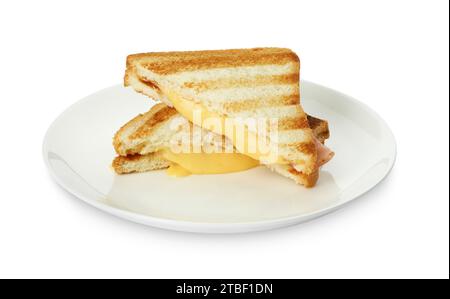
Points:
point(213, 227)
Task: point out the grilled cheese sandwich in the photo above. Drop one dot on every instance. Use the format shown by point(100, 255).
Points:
point(227, 86)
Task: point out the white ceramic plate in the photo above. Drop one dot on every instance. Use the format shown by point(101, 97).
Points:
point(78, 151)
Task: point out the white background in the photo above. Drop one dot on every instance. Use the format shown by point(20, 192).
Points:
point(392, 55)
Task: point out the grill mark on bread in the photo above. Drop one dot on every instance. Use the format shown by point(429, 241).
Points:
point(250, 104)
point(165, 64)
point(292, 123)
point(308, 148)
point(157, 119)
point(243, 82)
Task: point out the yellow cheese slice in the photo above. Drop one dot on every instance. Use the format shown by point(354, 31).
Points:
point(207, 163)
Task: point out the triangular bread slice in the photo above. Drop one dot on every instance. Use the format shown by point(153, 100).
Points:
point(234, 84)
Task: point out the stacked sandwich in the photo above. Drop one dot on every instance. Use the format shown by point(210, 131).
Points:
point(221, 111)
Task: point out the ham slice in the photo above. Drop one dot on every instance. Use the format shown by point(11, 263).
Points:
point(324, 154)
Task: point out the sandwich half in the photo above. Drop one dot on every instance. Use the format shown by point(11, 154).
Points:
point(145, 143)
point(233, 85)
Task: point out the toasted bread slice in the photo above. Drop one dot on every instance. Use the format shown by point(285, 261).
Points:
point(139, 163)
point(139, 141)
point(242, 83)
point(160, 128)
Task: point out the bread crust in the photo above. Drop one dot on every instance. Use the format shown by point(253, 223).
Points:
point(165, 63)
point(160, 115)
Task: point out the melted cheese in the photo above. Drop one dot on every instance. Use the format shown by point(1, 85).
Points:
point(177, 171)
point(184, 164)
point(199, 115)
